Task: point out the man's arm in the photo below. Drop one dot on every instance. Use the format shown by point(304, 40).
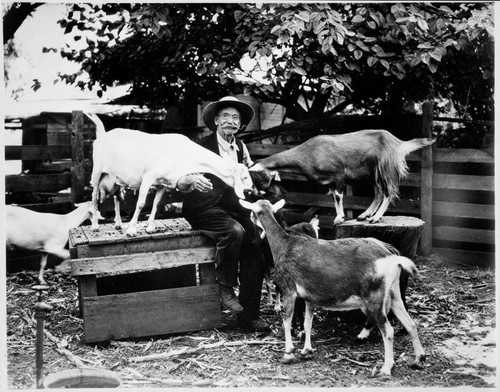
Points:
point(192, 181)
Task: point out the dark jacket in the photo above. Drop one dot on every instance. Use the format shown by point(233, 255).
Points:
point(221, 194)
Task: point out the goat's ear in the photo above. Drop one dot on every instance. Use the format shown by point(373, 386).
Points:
point(278, 205)
point(275, 175)
point(246, 204)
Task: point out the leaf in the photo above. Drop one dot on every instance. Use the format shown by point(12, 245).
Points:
point(300, 71)
point(275, 29)
point(371, 61)
point(385, 63)
point(362, 45)
point(358, 54)
point(358, 19)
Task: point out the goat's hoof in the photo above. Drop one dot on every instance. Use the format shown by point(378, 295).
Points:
point(288, 358)
point(385, 371)
point(150, 230)
point(306, 354)
point(95, 228)
point(418, 363)
point(361, 217)
point(131, 233)
point(363, 335)
point(338, 221)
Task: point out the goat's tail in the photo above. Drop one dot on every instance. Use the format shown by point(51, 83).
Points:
point(415, 144)
point(409, 266)
point(100, 130)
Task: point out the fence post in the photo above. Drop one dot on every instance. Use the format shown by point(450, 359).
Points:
point(426, 181)
point(77, 158)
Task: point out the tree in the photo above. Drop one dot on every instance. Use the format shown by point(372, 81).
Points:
point(14, 16)
point(310, 57)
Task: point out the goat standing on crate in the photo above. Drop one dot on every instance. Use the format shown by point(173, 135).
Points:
point(134, 159)
point(42, 231)
point(338, 275)
point(336, 160)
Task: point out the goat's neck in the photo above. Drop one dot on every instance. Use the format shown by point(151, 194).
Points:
point(76, 217)
point(276, 235)
point(282, 160)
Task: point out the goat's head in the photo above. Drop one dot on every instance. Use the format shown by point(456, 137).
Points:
point(263, 206)
point(88, 207)
point(262, 177)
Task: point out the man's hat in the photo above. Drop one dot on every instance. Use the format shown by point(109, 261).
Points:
point(246, 111)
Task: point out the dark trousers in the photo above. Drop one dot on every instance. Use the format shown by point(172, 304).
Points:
point(237, 240)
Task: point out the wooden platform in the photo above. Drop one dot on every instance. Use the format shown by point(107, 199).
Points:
point(152, 284)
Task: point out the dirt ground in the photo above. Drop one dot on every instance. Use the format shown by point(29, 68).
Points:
point(454, 309)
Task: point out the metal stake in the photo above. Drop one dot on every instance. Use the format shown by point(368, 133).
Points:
point(41, 310)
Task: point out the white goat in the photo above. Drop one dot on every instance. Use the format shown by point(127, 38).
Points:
point(134, 159)
point(42, 231)
point(338, 275)
point(335, 160)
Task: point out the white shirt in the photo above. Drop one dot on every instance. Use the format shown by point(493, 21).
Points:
point(230, 150)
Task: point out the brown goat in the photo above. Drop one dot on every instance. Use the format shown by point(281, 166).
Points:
point(376, 156)
point(337, 275)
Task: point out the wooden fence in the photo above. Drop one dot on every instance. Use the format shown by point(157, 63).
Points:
point(452, 190)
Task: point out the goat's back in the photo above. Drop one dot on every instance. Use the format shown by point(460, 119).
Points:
point(29, 229)
point(129, 154)
point(330, 270)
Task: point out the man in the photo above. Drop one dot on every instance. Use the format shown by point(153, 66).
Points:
point(212, 206)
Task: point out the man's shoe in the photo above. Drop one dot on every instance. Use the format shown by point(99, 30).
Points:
point(257, 325)
point(229, 300)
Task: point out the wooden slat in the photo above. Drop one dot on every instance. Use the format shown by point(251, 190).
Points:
point(36, 152)
point(463, 210)
point(129, 263)
point(149, 313)
point(350, 202)
point(461, 234)
point(37, 182)
point(455, 181)
point(464, 258)
point(463, 155)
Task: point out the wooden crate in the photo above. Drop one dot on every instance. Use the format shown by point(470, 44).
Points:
point(152, 284)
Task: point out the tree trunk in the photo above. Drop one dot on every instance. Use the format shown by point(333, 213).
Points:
point(403, 232)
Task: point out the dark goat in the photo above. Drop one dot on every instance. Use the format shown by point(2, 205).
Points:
point(355, 273)
point(336, 160)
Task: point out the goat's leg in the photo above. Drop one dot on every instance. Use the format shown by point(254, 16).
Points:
point(377, 200)
point(118, 217)
point(289, 307)
point(95, 202)
point(43, 263)
point(151, 221)
point(381, 210)
point(147, 182)
point(307, 351)
point(387, 332)
point(400, 312)
point(338, 197)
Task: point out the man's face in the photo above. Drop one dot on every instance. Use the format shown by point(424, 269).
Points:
point(228, 121)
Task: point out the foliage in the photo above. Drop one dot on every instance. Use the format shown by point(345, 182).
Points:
point(375, 56)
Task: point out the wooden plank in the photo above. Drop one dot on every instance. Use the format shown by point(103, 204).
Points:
point(468, 259)
point(350, 202)
point(128, 263)
point(77, 158)
point(456, 181)
point(150, 313)
point(37, 152)
point(463, 155)
point(37, 182)
point(462, 234)
point(463, 210)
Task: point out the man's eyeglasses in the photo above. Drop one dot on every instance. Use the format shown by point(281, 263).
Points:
point(227, 116)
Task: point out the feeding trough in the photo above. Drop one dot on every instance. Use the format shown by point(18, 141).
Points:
point(82, 378)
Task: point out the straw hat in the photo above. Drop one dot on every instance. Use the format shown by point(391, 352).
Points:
point(246, 111)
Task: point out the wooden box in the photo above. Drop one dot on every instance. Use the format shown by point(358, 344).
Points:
point(152, 284)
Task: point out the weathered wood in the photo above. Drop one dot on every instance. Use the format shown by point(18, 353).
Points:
point(129, 263)
point(37, 182)
point(456, 181)
point(42, 153)
point(77, 158)
point(403, 232)
point(466, 259)
point(151, 313)
point(463, 210)
point(462, 234)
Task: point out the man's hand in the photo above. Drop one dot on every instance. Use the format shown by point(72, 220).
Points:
point(192, 181)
